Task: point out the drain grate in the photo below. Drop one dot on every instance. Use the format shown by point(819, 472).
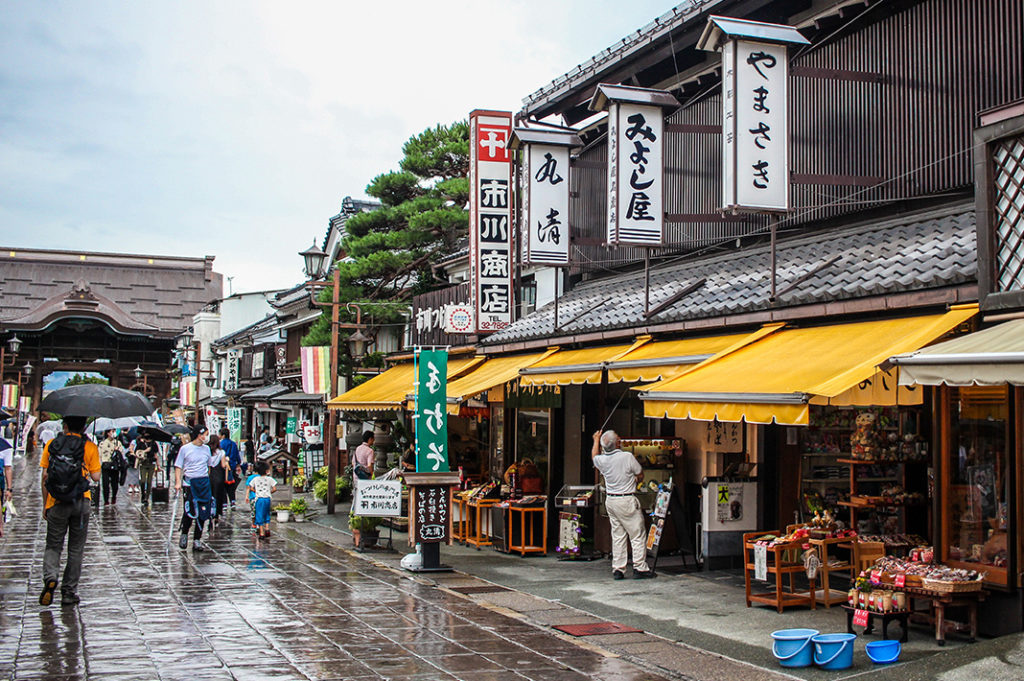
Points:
point(467, 590)
point(597, 628)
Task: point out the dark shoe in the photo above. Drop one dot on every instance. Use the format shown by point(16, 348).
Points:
point(644, 575)
point(183, 541)
point(69, 599)
point(618, 574)
point(197, 545)
point(46, 597)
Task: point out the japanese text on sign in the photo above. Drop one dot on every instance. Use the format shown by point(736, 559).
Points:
point(378, 498)
point(490, 219)
point(635, 211)
point(755, 136)
point(431, 514)
point(432, 411)
point(546, 204)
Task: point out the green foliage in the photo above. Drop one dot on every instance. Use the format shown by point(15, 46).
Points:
point(298, 481)
point(363, 523)
point(390, 250)
point(85, 379)
point(342, 487)
point(298, 505)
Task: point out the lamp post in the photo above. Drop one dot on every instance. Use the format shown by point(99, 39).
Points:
point(140, 375)
point(314, 260)
point(14, 344)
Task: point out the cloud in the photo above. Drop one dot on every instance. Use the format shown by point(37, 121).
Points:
point(235, 128)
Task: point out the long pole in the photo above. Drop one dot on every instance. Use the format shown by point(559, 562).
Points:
point(331, 439)
point(773, 222)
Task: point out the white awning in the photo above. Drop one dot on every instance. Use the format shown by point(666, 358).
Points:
point(993, 356)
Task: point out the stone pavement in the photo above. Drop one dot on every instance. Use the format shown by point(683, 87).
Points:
point(695, 624)
point(291, 607)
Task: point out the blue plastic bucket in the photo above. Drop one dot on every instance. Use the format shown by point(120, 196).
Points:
point(883, 652)
point(834, 651)
point(792, 647)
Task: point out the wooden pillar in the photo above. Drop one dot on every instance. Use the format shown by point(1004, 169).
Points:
point(330, 433)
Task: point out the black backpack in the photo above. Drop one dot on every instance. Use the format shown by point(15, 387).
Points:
point(64, 479)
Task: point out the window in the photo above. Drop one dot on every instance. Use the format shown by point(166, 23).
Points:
point(978, 481)
point(528, 295)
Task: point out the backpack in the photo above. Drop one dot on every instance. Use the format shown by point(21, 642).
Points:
point(64, 479)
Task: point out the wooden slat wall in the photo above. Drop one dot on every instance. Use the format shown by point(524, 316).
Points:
point(940, 62)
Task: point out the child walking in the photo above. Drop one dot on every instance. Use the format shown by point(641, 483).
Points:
point(262, 486)
point(252, 500)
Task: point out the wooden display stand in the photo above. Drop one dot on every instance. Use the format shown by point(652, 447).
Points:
point(526, 514)
point(460, 519)
point(938, 601)
point(827, 595)
point(900, 616)
point(477, 510)
point(780, 598)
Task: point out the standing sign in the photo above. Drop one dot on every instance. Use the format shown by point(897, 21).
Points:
point(235, 423)
point(544, 181)
point(490, 219)
point(432, 411)
point(378, 498)
point(432, 522)
point(635, 172)
point(755, 132)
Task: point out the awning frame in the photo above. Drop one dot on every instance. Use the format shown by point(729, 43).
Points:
point(730, 398)
point(962, 358)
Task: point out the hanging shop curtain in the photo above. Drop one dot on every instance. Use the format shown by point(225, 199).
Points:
point(993, 356)
point(776, 377)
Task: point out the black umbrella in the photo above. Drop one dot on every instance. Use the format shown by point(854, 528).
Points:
point(155, 431)
point(95, 399)
point(175, 429)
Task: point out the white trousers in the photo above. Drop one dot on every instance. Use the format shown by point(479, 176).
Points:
point(627, 522)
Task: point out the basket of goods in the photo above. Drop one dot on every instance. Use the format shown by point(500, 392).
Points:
point(944, 579)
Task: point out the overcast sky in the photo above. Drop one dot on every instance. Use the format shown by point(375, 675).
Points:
point(235, 129)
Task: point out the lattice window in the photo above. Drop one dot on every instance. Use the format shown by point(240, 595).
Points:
point(1008, 155)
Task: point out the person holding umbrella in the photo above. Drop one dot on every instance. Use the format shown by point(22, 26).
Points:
point(147, 455)
point(68, 461)
point(110, 459)
point(192, 471)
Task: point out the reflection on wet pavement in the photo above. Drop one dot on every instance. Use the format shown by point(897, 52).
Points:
point(285, 608)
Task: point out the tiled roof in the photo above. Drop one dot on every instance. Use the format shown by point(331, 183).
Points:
point(245, 332)
point(925, 251)
point(148, 294)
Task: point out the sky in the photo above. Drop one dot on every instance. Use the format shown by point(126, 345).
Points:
point(235, 129)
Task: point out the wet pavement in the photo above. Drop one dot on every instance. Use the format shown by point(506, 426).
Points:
point(291, 607)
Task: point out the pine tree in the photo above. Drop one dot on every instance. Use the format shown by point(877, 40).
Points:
point(390, 251)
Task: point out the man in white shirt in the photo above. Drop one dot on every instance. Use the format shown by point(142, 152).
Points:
point(621, 473)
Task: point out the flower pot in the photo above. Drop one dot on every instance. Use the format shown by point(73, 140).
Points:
point(300, 518)
point(283, 516)
point(364, 538)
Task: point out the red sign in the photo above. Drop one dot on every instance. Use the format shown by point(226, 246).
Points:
point(860, 618)
point(900, 581)
point(491, 141)
point(876, 575)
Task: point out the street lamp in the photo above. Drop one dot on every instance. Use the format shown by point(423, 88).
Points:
point(209, 381)
point(314, 259)
point(138, 372)
point(357, 345)
point(140, 375)
point(14, 344)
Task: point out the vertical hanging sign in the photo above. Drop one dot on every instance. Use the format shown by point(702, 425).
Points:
point(755, 130)
point(544, 182)
point(432, 411)
point(490, 219)
point(636, 132)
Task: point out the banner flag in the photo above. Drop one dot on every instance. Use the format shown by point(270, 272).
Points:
point(316, 369)
point(187, 393)
point(432, 411)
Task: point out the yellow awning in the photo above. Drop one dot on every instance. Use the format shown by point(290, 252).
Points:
point(774, 378)
point(493, 372)
point(389, 390)
point(576, 367)
point(666, 359)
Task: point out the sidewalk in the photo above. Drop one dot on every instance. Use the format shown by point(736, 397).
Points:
point(694, 625)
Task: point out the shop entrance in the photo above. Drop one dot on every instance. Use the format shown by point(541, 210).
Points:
point(533, 441)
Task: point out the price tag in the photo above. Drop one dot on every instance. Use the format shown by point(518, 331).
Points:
point(860, 618)
point(900, 581)
point(876, 575)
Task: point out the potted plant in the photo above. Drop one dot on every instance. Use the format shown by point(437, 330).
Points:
point(299, 483)
point(364, 530)
point(283, 512)
point(298, 508)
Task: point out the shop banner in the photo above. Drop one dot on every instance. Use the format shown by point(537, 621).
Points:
point(291, 425)
point(25, 421)
point(635, 206)
point(546, 204)
point(187, 392)
point(378, 498)
point(490, 219)
point(755, 139)
point(761, 562)
point(235, 423)
point(25, 404)
point(9, 396)
point(212, 420)
point(234, 357)
point(316, 369)
point(431, 411)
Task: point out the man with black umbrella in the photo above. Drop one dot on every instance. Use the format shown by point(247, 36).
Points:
point(147, 456)
point(68, 462)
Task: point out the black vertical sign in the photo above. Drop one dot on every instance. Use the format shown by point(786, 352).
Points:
point(432, 513)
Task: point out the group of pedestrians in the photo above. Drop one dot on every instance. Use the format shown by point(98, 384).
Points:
point(127, 463)
point(207, 471)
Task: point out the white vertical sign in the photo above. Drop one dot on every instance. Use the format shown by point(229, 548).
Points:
point(546, 204)
point(635, 206)
point(490, 219)
point(755, 137)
